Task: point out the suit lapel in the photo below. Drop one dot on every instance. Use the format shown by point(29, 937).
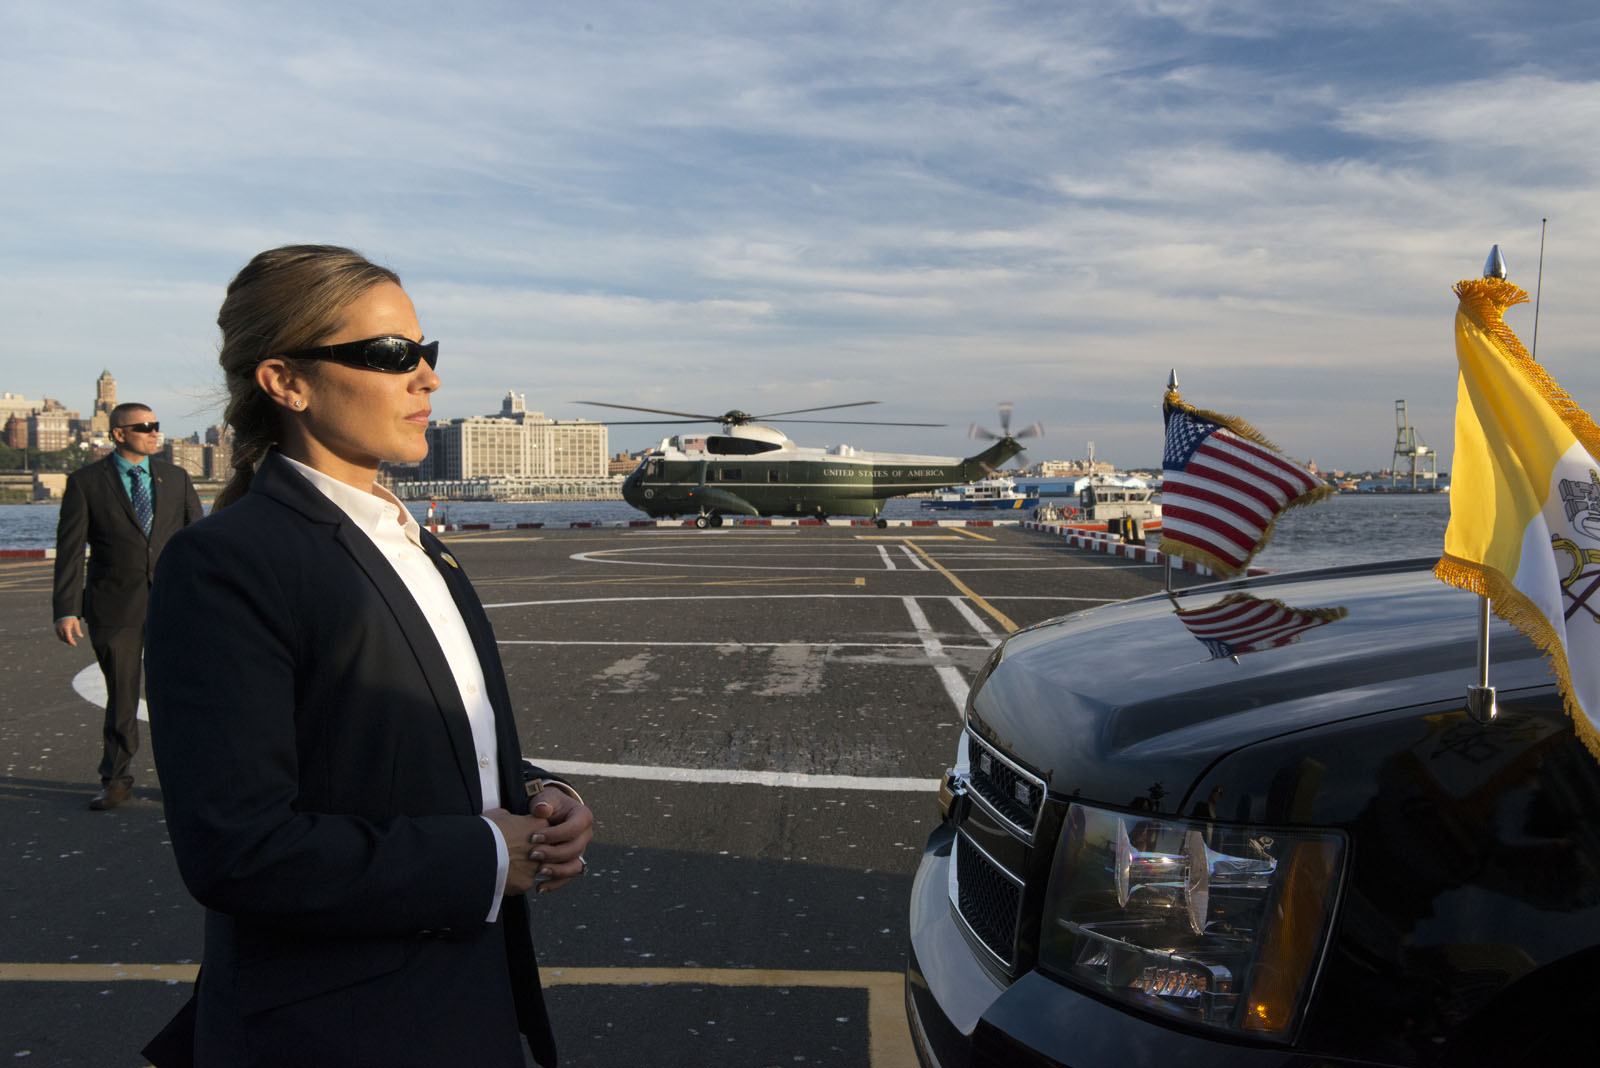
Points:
point(512, 795)
point(119, 493)
point(280, 481)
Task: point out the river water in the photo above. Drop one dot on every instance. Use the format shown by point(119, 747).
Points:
point(1347, 529)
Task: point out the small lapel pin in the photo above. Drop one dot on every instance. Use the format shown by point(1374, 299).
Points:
point(447, 558)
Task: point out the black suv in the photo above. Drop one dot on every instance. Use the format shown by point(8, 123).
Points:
point(1254, 823)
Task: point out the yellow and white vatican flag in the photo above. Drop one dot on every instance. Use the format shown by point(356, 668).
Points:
point(1525, 498)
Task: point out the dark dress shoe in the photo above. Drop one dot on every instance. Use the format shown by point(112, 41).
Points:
point(110, 797)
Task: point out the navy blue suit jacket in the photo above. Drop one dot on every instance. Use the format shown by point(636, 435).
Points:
point(323, 800)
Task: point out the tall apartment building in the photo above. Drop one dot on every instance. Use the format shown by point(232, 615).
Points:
point(515, 443)
point(189, 455)
point(105, 399)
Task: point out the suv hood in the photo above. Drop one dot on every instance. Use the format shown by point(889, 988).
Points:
point(1103, 702)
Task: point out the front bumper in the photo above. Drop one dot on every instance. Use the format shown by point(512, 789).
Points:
point(961, 1016)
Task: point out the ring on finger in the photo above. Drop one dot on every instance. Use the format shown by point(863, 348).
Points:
point(583, 868)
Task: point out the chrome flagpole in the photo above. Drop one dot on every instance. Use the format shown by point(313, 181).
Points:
point(1166, 558)
point(1480, 698)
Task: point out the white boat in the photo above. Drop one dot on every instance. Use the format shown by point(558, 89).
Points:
point(994, 492)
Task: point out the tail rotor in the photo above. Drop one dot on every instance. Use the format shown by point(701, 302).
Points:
point(1006, 408)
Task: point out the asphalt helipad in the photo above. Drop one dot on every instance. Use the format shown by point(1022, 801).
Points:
point(757, 715)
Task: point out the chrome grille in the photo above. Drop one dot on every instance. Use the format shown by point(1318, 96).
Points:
point(988, 900)
point(1012, 794)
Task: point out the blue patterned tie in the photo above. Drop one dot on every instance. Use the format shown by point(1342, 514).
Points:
point(141, 497)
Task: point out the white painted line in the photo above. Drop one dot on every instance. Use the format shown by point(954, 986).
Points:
point(705, 597)
point(1073, 567)
point(610, 556)
point(718, 645)
point(915, 559)
point(976, 621)
point(888, 561)
point(801, 780)
point(954, 684)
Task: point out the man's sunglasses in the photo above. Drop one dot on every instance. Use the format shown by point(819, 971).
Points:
point(396, 355)
point(139, 428)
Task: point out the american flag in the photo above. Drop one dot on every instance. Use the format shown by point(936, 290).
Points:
point(1222, 488)
point(1245, 624)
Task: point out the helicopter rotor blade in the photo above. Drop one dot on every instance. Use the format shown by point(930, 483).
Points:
point(695, 416)
point(654, 422)
point(855, 422)
point(1006, 408)
point(824, 408)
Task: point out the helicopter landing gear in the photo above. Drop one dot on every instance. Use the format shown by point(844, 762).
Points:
point(704, 520)
point(883, 524)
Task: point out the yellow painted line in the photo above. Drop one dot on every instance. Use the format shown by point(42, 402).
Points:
point(907, 537)
point(888, 1035)
point(995, 613)
point(972, 533)
point(98, 973)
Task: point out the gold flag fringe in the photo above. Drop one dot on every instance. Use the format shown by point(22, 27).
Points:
point(1484, 301)
point(1251, 434)
point(1513, 606)
point(1195, 554)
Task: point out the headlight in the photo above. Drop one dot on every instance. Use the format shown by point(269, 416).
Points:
point(1208, 923)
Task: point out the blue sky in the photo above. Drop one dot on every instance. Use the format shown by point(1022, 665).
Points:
point(770, 206)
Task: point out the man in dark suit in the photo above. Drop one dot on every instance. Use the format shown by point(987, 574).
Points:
point(124, 508)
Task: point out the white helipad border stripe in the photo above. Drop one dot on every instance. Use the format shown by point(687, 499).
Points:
point(90, 684)
point(888, 561)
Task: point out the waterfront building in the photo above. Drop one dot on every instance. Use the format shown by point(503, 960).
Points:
point(623, 463)
point(50, 428)
point(1074, 468)
point(16, 431)
point(105, 399)
point(15, 404)
point(515, 444)
point(189, 455)
point(219, 459)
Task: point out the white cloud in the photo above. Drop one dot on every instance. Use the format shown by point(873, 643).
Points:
point(710, 204)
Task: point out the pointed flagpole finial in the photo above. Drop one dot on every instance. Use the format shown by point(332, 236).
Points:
point(1495, 265)
point(1172, 378)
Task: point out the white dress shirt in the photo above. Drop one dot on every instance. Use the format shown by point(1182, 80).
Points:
point(398, 538)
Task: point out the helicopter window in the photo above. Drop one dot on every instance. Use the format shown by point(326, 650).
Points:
point(730, 474)
point(726, 445)
point(773, 475)
point(653, 469)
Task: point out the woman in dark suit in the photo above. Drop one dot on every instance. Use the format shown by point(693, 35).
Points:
point(341, 771)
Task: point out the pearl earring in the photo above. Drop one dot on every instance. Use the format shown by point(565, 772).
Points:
point(299, 404)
